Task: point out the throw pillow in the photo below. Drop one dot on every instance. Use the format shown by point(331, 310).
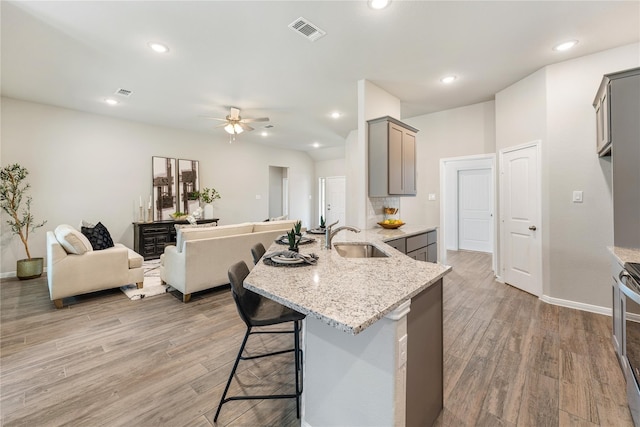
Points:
point(73, 241)
point(98, 236)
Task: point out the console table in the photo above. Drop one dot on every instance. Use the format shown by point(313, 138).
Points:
point(150, 238)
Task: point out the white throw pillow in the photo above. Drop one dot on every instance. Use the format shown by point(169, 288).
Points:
point(73, 241)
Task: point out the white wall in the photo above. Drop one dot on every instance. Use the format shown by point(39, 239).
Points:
point(87, 166)
point(579, 232)
point(554, 105)
point(457, 132)
point(373, 102)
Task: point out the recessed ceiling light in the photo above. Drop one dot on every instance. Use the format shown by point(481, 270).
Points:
point(336, 115)
point(448, 79)
point(565, 45)
point(111, 101)
point(378, 4)
point(158, 47)
point(315, 145)
point(264, 133)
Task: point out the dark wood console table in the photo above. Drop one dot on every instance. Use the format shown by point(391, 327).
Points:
point(150, 238)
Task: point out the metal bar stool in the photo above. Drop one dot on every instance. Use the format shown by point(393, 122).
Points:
point(256, 310)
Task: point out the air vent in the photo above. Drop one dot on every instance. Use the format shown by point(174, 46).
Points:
point(306, 29)
point(123, 92)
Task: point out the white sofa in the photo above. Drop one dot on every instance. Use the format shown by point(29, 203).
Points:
point(75, 269)
point(203, 254)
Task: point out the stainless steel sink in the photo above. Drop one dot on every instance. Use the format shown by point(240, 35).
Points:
point(358, 250)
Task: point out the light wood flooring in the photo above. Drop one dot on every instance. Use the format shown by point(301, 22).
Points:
point(103, 360)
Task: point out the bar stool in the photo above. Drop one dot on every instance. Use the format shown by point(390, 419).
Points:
point(256, 310)
point(257, 251)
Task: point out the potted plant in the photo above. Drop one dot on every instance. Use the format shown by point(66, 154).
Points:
point(207, 196)
point(13, 189)
point(293, 239)
point(322, 223)
point(297, 227)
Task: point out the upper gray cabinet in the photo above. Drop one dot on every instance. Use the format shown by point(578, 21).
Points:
point(392, 158)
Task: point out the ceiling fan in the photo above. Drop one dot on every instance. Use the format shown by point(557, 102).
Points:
point(235, 125)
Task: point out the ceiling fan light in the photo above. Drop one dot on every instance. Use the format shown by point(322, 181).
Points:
point(229, 129)
point(237, 128)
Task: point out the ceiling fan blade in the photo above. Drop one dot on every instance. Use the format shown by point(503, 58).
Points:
point(234, 114)
point(261, 119)
point(214, 118)
point(220, 125)
point(245, 126)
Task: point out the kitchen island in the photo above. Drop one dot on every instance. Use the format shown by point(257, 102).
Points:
point(359, 334)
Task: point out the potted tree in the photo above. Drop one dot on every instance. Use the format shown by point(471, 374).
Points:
point(13, 189)
point(207, 196)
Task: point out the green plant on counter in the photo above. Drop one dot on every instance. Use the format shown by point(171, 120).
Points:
point(322, 223)
point(297, 227)
point(293, 240)
point(208, 195)
point(13, 189)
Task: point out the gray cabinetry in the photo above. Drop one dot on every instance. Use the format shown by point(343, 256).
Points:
point(617, 310)
point(421, 247)
point(617, 107)
point(392, 158)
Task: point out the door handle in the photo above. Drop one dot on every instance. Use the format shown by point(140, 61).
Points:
point(532, 228)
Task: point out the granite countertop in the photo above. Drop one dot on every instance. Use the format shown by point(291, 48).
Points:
point(625, 254)
point(349, 294)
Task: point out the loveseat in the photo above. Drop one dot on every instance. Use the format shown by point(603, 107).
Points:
point(74, 268)
point(203, 253)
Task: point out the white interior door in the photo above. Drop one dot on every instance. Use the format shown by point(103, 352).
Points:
point(335, 199)
point(475, 210)
point(520, 215)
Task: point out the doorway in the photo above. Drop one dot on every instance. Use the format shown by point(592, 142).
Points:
point(278, 191)
point(467, 206)
point(333, 199)
point(520, 203)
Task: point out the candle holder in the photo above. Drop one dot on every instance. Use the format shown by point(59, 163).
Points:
point(149, 215)
point(141, 215)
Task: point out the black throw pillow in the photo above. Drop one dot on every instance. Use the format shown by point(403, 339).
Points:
point(98, 236)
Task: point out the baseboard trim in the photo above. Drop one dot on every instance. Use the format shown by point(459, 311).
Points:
point(576, 305)
point(7, 275)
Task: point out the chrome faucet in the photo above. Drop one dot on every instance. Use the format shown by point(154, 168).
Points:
point(329, 233)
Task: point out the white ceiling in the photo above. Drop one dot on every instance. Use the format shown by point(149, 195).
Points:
point(239, 53)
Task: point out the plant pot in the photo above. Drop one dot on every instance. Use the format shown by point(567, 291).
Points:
point(29, 268)
point(208, 211)
point(293, 249)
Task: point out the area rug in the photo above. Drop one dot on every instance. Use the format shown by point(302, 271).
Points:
point(152, 284)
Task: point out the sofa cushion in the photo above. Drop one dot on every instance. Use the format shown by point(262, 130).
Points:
point(185, 234)
point(286, 224)
point(98, 236)
point(73, 241)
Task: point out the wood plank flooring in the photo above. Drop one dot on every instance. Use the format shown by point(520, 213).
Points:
point(103, 360)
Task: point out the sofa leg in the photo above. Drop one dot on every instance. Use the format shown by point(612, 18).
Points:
point(139, 285)
point(186, 297)
point(58, 303)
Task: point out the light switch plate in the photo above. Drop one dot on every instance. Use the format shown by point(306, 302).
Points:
point(258, 197)
point(577, 196)
point(432, 196)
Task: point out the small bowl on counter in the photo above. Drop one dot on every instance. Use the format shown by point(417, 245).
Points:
point(396, 224)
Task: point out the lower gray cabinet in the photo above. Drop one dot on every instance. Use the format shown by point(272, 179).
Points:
point(421, 247)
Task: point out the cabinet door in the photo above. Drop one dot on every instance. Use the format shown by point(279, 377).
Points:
point(399, 244)
point(396, 177)
point(432, 253)
point(418, 254)
point(409, 163)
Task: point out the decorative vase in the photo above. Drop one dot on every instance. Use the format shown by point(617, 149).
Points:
point(29, 268)
point(208, 211)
